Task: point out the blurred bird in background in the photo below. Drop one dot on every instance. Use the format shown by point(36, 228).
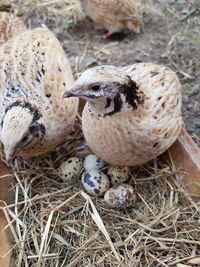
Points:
point(113, 15)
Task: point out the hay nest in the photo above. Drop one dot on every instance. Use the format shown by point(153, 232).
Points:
point(57, 224)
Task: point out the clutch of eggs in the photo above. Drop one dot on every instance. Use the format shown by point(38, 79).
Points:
point(97, 183)
point(70, 169)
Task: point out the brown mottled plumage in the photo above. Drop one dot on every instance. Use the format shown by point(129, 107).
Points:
point(113, 15)
point(34, 73)
point(133, 114)
point(10, 26)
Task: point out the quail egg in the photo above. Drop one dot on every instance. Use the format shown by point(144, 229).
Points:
point(120, 196)
point(118, 174)
point(95, 182)
point(70, 169)
point(92, 162)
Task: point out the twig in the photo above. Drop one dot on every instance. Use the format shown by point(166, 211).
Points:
point(191, 12)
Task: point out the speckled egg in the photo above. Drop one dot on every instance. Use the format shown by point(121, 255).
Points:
point(118, 174)
point(70, 169)
point(92, 162)
point(95, 182)
point(120, 196)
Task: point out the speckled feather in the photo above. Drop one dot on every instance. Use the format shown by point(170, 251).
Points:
point(135, 136)
point(113, 15)
point(34, 70)
point(10, 26)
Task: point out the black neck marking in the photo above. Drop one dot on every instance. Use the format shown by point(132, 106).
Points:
point(40, 134)
point(108, 102)
point(118, 103)
point(33, 110)
point(132, 97)
point(130, 90)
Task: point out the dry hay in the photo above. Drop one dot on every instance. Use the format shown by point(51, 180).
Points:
point(54, 13)
point(57, 224)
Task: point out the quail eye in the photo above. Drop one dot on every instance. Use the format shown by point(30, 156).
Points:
point(34, 128)
point(95, 87)
point(24, 139)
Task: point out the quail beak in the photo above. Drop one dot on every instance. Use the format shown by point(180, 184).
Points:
point(9, 154)
point(74, 91)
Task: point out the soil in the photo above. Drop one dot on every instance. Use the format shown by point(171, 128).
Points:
point(170, 35)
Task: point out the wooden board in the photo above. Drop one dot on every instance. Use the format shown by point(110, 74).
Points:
point(6, 195)
point(184, 156)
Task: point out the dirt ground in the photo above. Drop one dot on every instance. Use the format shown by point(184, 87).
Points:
point(170, 35)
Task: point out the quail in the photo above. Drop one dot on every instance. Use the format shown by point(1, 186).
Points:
point(132, 114)
point(34, 73)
